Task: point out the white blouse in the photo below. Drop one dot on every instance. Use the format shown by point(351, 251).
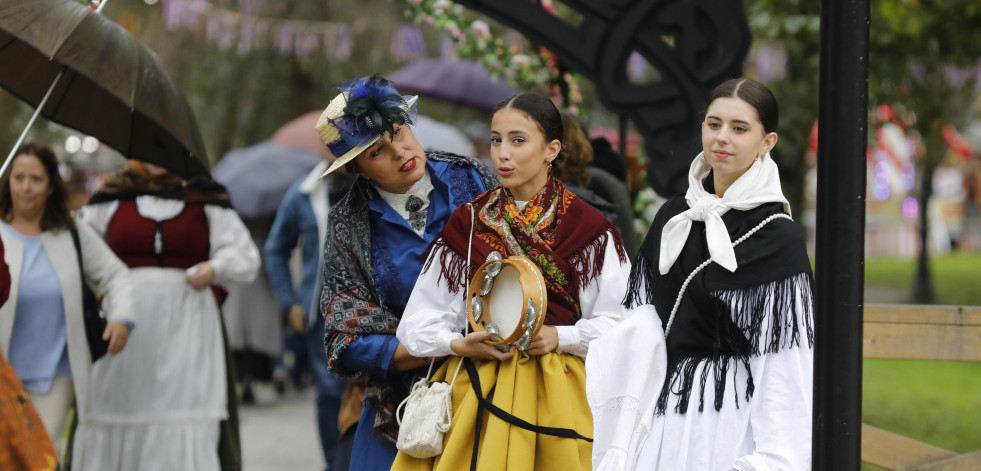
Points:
point(234, 255)
point(624, 376)
point(434, 317)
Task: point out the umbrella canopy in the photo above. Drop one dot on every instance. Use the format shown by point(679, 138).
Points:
point(112, 86)
point(301, 133)
point(461, 82)
point(435, 135)
point(258, 177)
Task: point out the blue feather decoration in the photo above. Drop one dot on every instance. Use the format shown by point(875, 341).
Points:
point(374, 102)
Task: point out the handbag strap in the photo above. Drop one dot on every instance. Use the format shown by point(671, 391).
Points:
point(78, 253)
point(445, 424)
point(483, 403)
point(684, 286)
point(466, 274)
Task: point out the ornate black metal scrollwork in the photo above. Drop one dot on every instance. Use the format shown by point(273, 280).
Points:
point(693, 44)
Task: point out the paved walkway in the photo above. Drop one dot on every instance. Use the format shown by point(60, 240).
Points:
point(280, 434)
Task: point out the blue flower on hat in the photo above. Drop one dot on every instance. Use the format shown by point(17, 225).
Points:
point(373, 107)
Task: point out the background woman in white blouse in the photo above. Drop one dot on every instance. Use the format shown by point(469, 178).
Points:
point(41, 327)
point(160, 406)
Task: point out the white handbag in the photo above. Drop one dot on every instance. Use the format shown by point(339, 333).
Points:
point(429, 406)
point(428, 410)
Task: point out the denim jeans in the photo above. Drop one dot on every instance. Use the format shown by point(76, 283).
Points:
point(328, 390)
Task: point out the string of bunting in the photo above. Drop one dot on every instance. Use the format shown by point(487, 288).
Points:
point(245, 31)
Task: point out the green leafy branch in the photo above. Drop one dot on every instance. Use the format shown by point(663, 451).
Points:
point(475, 41)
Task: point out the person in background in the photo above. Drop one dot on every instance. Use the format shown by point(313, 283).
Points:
point(301, 221)
point(605, 157)
point(712, 367)
point(378, 232)
point(24, 444)
point(255, 328)
point(41, 327)
point(573, 170)
point(169, 402)
point(608, 179)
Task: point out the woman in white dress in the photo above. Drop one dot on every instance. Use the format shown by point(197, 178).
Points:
point(159, 406)
point(711, 370)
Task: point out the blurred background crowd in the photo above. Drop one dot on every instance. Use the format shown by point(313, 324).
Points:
point(257, 73)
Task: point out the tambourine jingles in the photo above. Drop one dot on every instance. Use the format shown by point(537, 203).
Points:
point(508, 299)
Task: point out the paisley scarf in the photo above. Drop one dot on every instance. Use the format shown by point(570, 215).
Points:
point(559, 232)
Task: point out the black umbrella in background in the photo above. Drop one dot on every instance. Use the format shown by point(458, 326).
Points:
point(86, 72)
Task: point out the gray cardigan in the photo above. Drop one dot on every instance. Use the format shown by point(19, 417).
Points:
point(101, 266)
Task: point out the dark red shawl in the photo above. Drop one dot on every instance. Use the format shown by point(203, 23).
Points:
point(562, 234)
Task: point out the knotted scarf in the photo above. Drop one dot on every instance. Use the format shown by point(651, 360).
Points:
point(758, 185)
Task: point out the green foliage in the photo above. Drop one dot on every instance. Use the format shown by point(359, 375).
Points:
point(524, 66)
point(923, 56)
point(932, 401)
point(955, 276)
point(796, 26)
point(476, 41)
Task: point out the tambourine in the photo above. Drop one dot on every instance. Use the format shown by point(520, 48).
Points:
point(507, 298)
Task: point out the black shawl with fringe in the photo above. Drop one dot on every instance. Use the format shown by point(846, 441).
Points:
point(725, 315)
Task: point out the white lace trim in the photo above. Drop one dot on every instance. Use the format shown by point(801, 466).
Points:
point(618, 404)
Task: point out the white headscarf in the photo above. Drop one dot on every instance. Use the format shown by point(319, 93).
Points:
point(758, 185)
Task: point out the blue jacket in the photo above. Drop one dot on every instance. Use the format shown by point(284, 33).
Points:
point(302, 216)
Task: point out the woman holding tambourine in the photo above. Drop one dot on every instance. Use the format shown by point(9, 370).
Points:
point(519, 400)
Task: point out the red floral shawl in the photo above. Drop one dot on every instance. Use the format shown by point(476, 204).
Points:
point(562, 234)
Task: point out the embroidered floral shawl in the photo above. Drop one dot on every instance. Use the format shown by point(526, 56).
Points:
point(562, 234)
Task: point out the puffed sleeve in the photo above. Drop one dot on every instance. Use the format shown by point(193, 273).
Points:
point(433, 317)
point(625, 370)
point(600, 303)
point(234, 255)
point(112, 276)
point(97, 216)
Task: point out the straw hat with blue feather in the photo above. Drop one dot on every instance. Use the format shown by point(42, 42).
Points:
point(365, 111)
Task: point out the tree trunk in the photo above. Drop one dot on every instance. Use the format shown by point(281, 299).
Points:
point(923, 285)
point(923, 292)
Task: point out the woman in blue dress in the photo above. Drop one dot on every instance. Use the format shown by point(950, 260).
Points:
point(378, 233)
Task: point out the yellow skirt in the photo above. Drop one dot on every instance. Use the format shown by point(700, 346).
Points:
point(547, 390)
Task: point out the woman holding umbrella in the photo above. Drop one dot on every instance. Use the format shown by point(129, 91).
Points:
point(540, 418)
point(378, 232)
